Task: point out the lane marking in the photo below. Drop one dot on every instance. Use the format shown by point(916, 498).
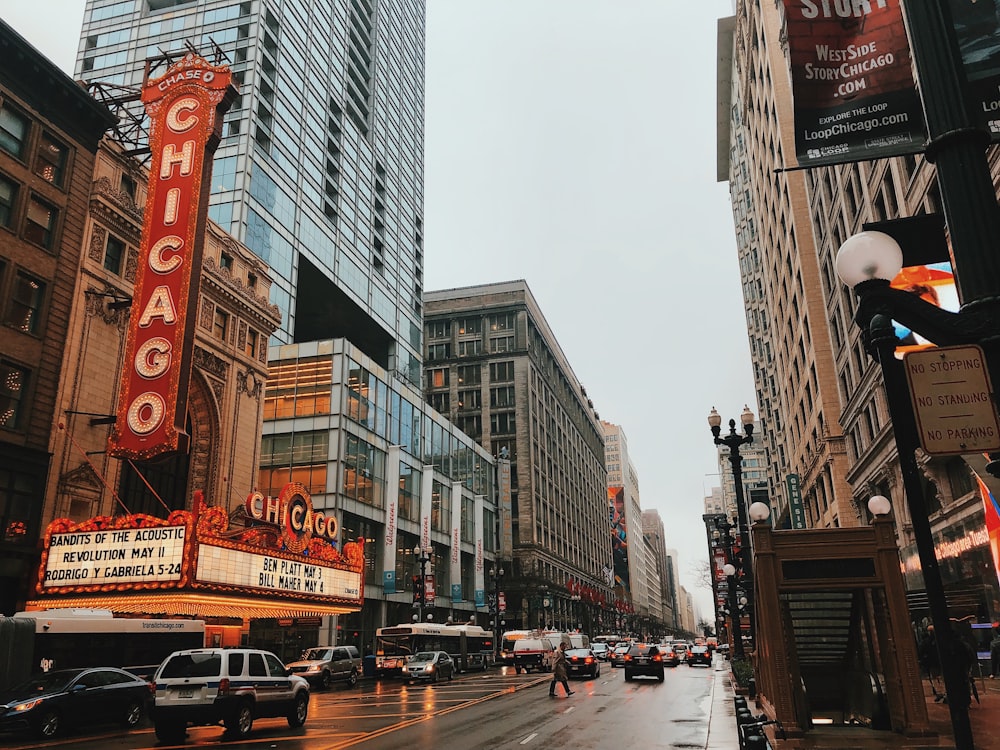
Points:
point(529, 738)
point(569, 710)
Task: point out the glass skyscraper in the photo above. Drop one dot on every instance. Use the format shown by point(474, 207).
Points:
point(320, 169)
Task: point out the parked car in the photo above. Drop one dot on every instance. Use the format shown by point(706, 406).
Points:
point(533, 653)
point(601, 650)
point(643, 660)
point(429, 665)
point(618, 655)
point(325, 665)
point(229, 686)
point(699, 655)
point(55, 701)
point(582, 661)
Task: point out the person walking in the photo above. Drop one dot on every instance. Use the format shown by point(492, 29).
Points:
point(559, 672)
point(927, 654)
point(995, 656)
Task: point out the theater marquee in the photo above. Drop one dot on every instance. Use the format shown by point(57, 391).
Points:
point(185, 108)
point(194, 562)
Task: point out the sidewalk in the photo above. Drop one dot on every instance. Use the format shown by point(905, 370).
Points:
point(984, 717)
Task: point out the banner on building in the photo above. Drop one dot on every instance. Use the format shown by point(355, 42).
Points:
point(479, 582)
point(504, 509)
point(795, 507)
point(391, 519)
point(426, 505)
point(455, 553)
point(619, 537)
point(852, 83)
point(977, 29)
point(185, 108)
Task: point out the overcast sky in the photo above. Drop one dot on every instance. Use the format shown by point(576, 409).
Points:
point(571, 143)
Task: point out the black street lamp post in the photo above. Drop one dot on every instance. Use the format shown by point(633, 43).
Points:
point(723, 537)
point(868, 262)
point(423, 555)
point(496, 573)
point(733, 441)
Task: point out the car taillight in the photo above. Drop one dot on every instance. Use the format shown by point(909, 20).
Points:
point(628, 657)
point(152, 688)
point(224, 686)
point(590, 660)
point(574, 658)
point(657, 657)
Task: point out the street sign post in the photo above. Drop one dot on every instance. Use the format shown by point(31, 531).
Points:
point(953, 400)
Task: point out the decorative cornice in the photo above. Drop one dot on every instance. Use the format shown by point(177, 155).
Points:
point(244, 298)
point(205, 360)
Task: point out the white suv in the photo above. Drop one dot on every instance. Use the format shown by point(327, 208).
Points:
point(233, 686)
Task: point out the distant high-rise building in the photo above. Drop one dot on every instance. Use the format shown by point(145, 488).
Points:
point(653, 531)
point(494, 366)
point(320, 168)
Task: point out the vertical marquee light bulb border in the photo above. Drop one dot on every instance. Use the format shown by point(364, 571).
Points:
point(185, 108)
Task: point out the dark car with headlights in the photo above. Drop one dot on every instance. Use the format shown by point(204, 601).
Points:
point(643, 660)
point(53, 702)
point(699, 655)
point(582, 661)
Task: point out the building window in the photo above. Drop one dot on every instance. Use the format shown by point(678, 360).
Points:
point(50, 160)
point(471, 425)
point(501, 372)
point(13, 384)
point(13, 131)
point(299, 457)
point(502, 424)
point(437, 378)
point(26, 304)
point(409, 493)
point(253, 341)
point(470, 399)
point(438, 329)
point(440, 402)
point(470, 348)
point(8, 195)
point(41, 224)
point(503, 396)
point(438, 352)
point(503, 322)
point(500, 344)
point(470, 375)
point(114, 254)
point(128, 186)
point(226, 261)
point(220, 324)
point(470, 326)
point(364, 471)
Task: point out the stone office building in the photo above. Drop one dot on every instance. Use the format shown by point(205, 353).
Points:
point(493, 365)
point(49, 131)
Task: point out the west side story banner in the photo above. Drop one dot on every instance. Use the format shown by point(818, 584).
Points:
point(853, 89)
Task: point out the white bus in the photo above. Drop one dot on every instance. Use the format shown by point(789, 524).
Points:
point(469, 645)
point(68, 638)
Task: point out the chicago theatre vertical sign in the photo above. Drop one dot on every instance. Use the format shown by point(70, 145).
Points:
point(185, 108)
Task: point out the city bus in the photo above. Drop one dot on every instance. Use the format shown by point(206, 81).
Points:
point(67, 638)
point(469, 645)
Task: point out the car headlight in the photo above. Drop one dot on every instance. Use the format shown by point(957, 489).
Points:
point(28, 705)
point(406, 668)
point(430, 667)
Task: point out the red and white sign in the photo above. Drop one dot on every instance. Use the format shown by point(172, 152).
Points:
point(501, 602)
point(185, 108)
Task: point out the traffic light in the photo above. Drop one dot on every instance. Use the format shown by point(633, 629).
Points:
point(418, 590)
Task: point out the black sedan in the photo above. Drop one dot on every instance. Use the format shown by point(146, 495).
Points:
point(68, 698)
point(582, 661)
point(643, 661)
point(618, 655)
point(699, 655)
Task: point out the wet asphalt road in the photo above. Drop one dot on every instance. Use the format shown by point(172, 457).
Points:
point(475, 711)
